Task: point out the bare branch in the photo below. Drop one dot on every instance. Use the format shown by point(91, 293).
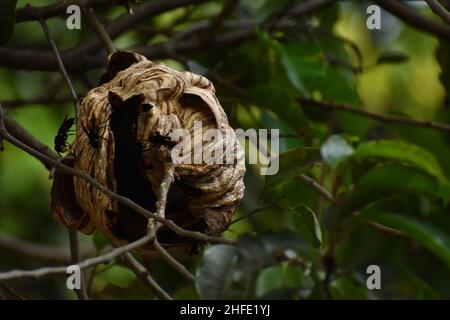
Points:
point(38, 251)
point(161, 212)
point(79, 59)
point(317, 187)
point(331, 105)
point(145, 276)
point(19, 133)
point(74, 259)
point(4, 287)
point(28, 13)
point(124, 200)
point(44, 100)
point(2, 293)
point(173, 262)
point(164, 189)
point(99, 29)
point(415, 19)
point(73, 234)
point(251, 213)
point(387, 230)
point(216, 22)
point(61, 67)
point(37, 273)
point(439, 9)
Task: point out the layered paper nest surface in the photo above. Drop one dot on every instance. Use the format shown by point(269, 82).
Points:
point(122, 132)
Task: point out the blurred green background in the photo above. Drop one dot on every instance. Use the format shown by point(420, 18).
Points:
point(390, 181)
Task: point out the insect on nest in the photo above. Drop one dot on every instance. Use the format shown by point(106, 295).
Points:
point(124, 140)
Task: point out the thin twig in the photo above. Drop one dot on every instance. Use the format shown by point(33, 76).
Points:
point(73, 235)
point(321, 201)
point(145, 276)
point(317, 187)
point(74, 259)
point(161, 212)
point(164, 189)
point(138, 268)
point(2, 293)
point(439, 9)
point(37, 273)
point(79, 58)
point(5, 287)
point(173, 262)
point(99, 29)
point(331, 105)
point(121, 199)
point(36, 250)
point(61, 67)
point(387, 230)
point(216, 22)
point(251, 213)
point(21, 134)
point(415, 19)
point(44, 100)
point(30, 14)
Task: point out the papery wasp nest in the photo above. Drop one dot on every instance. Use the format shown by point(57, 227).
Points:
point(143, 116)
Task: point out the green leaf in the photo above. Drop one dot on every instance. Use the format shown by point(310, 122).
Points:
point(286, 64)
point(443, 58)
point(7, 19)
point(308, 225)
point(345, 288)
point(398, 178)
point(392, 57)
point(117, 275)
point(335, 150)
point(427, 235)
point(302, 61)
point(388, 180)
point(100, 241)
point(258, 251)
point(293, 163)
point(422, 290)
point(275, 99)
point(400, 151)
point(278, 277)
point(215, 271)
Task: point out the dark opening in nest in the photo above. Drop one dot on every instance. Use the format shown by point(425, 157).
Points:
point(123, 142)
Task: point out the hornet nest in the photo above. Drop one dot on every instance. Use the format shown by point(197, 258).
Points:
point(123, 141)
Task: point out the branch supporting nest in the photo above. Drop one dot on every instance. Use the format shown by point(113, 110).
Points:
point(14, 274)
point(124, 200)
point(154, 220)
point(162, 197)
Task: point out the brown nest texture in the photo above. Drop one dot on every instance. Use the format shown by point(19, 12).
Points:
point(125, 139)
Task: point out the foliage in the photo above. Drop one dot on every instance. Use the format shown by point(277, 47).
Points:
point(389, 181)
